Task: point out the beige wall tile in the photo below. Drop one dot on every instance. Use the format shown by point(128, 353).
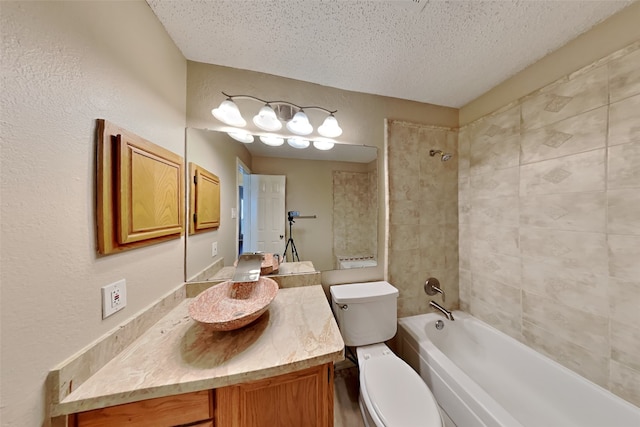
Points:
point(576, 326)
point(498, 126)
point(451, 243)
point(404, 212)
point(625, 344)
point(430, 211)
point(576, 205)
point(624, 301)
point(566, 249)
point(502, 297)
point(625, 382)
point(495, 238)
point(432, 246)
point(568, 211)
point(464, 151)
point(403, 237)
point(500, 183)
point(404, 186)
point(624, 76)
point(577, 288)
point(578, 359)
point(488, 155)
point(464, 278)
point(505, 321)
point(423, 213)
point(464, 246)
point(624, 166)
point(503, 268)
point(576, 173)
point(624, 121)
point(624, 257)
point(584, 132)
point(623, 211)
point(566, 99)
point(497, 210)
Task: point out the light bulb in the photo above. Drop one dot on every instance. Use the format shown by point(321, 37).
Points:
point(296, 142)
point(267, 120)
point(323, 144)
point(273, 141)
point(299, 124)
point(228, 113)
point(242, 136)
point(330, 127)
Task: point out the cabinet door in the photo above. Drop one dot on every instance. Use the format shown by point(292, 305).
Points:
point(150, 182)
point(163, 411)
point(204, 200)
point(303, 398)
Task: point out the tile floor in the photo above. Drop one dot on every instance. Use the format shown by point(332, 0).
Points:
point(346, 412)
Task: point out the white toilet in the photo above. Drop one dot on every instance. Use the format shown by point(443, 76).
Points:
point(392, 394)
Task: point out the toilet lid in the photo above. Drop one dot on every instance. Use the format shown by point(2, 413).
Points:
point(398, 394)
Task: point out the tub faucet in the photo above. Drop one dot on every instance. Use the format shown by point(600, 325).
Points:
point(432, 287)
point(443, 310)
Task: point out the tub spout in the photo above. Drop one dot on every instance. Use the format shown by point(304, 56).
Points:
point(442, 310)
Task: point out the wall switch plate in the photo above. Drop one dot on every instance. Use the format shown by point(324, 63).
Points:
point(214, 249)
point(234, 213)
point(114, 297)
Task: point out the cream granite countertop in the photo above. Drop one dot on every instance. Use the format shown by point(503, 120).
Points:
point(178, 355)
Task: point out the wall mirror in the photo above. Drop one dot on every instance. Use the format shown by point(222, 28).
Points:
point(329, 210)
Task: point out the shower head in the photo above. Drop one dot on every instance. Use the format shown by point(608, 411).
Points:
point(443, 156)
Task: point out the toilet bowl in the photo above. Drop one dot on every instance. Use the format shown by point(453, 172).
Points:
point(392, 394)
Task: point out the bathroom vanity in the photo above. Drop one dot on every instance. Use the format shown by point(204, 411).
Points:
point(276, 371)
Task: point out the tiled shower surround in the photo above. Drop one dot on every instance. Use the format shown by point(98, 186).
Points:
point(549, 208)
point(355, 198)
point(423, 214)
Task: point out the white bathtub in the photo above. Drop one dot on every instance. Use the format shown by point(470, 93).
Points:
point(482, 377)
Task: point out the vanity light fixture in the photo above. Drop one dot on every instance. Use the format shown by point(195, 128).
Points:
point(297, 142)
point(242, 136)
point(229, 113)
point(299, 124)
point(323, 144)
point(274, 141)
point(267, 120)
point(274, 113)
point(330, 127)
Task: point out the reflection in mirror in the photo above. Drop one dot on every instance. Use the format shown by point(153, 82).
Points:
point(331, 197)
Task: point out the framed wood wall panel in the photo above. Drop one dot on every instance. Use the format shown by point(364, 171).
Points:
point(140, 191)
point(204, 200)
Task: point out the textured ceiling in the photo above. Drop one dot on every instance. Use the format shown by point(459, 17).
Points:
point(439, 52)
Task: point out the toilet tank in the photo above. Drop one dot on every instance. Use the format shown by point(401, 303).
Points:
point(366, 313)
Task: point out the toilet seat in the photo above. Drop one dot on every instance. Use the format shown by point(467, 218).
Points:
point(397, 394)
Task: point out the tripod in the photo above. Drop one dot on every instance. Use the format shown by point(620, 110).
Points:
point(294, 251)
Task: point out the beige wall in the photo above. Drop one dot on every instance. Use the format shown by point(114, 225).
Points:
point(65, 64)
point(423, 215)
point(216, 152)
point(361, 116)
point(550, 221)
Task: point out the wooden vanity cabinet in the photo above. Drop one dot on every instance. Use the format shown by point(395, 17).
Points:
point(163, 411)
point(301, 398)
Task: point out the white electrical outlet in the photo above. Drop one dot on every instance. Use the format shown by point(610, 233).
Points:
point(214, 249)
point(234, 213)
point(114, 297)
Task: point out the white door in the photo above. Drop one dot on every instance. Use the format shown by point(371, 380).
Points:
point(267, 216)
